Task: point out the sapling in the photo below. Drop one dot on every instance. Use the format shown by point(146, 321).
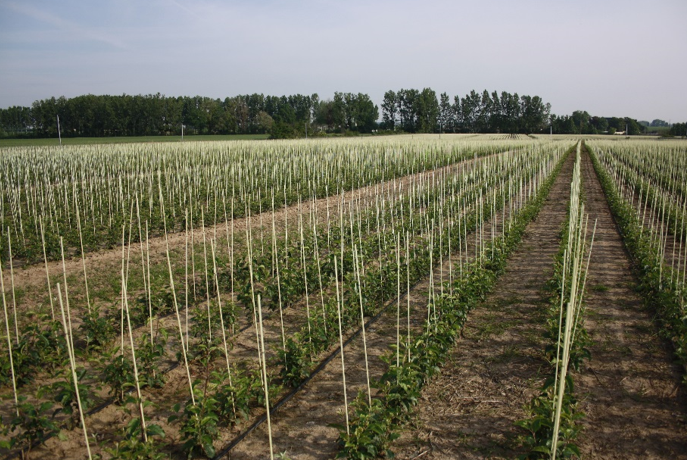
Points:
point(275, 252)
point(133, 360)
point(83, 256)
point(305, 275)
point(319, 275)
point(408, 291)
point(205, 268)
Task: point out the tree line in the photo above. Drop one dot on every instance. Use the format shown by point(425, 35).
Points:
point(580, 122)
point(421, 111)
point(405, 110)
point(154, 115)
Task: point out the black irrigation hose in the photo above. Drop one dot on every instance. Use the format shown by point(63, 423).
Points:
point(284, 399)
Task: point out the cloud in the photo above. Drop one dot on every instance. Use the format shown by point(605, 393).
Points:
point(73, 30)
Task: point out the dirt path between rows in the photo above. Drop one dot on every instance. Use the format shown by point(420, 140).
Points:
point(630, 389)
point(468, 411)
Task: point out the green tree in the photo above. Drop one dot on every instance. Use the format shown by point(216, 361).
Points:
point(427, 111)
point(406, 102)
point(678, 129)
point(447, 119)
point(365, 113)
point(264, 122)
point(535, 114)
point(470, 106)
point(389, 110)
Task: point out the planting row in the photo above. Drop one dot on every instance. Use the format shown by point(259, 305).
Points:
point(662, 285)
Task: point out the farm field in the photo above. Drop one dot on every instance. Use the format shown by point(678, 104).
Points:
point(127, 140)
point(448, 290)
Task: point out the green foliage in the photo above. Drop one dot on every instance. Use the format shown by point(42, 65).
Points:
point(133, 447)
point(658, 292)
point(118, 374)
point(98, 330)
point(372, 428)
point(33, 426)
point(233, 399)
point(371, 431)
point(66, 396)
point(295, 361)
point(198, 425)
point(39, 346)
point(148, 354)
point(258, 391)
point(539, 425)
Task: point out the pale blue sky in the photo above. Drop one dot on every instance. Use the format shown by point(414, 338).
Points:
point(611, 58)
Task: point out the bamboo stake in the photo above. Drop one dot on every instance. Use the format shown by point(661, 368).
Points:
point(398, 300)
point(265, 381)
point(83, 256)
point(357, 263)
point(341, 347)
point(275, 252)
point(319, 275)
point(9, 341)
point(133, 358)
point(70, 345)
point(305, 275)
point(14, 298)
point(408, 290)
point(205, 266)
point(66, 296)
point(221, 319)
point(186, 290)
point(174, 297)
point(47, 272)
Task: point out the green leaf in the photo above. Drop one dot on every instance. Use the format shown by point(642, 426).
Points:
point(155, 430)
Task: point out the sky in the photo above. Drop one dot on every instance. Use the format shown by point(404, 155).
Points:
point(608, 57)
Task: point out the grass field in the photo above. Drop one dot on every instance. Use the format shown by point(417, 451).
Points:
point(127, 140)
